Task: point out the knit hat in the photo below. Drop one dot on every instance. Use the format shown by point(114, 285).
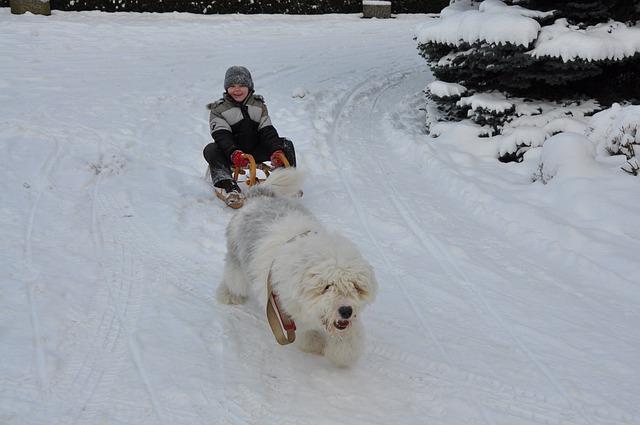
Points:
point(238, 75)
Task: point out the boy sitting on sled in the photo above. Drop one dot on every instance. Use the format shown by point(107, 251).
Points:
point(239, 124)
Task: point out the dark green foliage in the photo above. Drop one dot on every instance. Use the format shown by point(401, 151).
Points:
point(209, 6)
point(304, 7)
point(509, 68)
point(589, 12)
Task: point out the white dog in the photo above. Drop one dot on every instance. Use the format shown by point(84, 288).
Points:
point(320, 279)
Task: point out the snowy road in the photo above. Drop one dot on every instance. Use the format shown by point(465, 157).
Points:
point(116, 242)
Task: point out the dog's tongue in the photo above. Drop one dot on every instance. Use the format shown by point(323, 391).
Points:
point(341, 324)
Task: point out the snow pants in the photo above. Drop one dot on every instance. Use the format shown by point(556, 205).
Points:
point(220, 163)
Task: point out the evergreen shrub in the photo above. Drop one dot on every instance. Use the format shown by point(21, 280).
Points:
point(306, 7)
point(518, 63)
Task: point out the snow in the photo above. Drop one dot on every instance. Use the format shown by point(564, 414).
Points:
point(376, 3)
point(503, 300)
point(495, 22)
point(499, 7)
point(568, 155)
point(299, 92)
point(443, 89)
point(494, 102)
point(615, 128)
point(612, 40)
point(521, 136)
point(490, 24)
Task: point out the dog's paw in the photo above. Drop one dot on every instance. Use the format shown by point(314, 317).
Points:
point(311, 342)
point(225, 296)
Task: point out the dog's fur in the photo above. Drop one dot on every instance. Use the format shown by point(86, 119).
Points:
point(314, 272)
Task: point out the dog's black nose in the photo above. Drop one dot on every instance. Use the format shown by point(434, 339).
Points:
point(345, 311)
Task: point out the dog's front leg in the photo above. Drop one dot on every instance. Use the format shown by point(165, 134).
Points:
point(345, 348)
point(311, 342)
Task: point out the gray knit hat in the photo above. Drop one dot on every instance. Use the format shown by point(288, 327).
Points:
point(238, 75)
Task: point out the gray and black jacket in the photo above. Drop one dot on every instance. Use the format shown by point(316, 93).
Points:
point(245, 126)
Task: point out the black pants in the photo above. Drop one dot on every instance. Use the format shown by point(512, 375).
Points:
point(220, 163)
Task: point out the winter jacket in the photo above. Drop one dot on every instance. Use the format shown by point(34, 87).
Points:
point(243, 126)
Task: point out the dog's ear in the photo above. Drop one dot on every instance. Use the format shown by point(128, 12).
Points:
point(362, 290)
point(313, 283)
point(367, 288)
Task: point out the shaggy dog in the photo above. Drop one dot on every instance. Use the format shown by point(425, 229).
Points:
point(321, 280)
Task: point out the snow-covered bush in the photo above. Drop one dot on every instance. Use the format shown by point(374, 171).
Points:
point(536, 49)
point(446, 96)
point(497, 46)
point(534, 122)
point(567, 155)
point(534, 68)
point(616, 131)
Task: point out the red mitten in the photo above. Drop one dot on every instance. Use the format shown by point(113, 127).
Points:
point(238, 159)
point(276, 160)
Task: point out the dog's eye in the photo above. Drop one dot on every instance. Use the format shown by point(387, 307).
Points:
point(326, 288)
point(360, 290)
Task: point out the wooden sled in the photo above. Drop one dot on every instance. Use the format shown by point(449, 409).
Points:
point(248, 176)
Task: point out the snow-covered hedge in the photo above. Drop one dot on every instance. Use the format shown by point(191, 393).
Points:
point(492, 45)
point(307, 7)
point(523, 74)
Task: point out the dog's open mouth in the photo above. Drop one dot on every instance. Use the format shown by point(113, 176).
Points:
point(341, 324)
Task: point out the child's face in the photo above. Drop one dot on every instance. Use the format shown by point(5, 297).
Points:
point(238, 92)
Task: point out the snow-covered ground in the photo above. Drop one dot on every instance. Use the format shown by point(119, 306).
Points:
point(503, 301)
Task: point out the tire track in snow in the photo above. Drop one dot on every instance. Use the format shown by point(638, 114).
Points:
point(89, 372)
point(162, 257)
point(95, 350)
point(130, 305)
point(493, 393)
point(31, 274)
point(433, 246)
point(145, 244)
point(337, 116)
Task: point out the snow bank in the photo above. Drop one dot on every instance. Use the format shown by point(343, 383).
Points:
point(490, 24)
point(376, 3)
point(497, 6)
point(493, 102)
point(612, 40)
point(568, 155)
point(495, 22)
point(443, 90)
point(519, 138)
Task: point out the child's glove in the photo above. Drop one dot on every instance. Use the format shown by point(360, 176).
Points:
point(238, 159)
point(276, 160)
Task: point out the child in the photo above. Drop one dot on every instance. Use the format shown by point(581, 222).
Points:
point(240, 124)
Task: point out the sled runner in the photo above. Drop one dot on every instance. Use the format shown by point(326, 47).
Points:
point(249, 176)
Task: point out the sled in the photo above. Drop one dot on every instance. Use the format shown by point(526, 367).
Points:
point(250, 177)
point(253, 178)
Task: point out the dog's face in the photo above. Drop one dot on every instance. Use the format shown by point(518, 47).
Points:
point(335, 296)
